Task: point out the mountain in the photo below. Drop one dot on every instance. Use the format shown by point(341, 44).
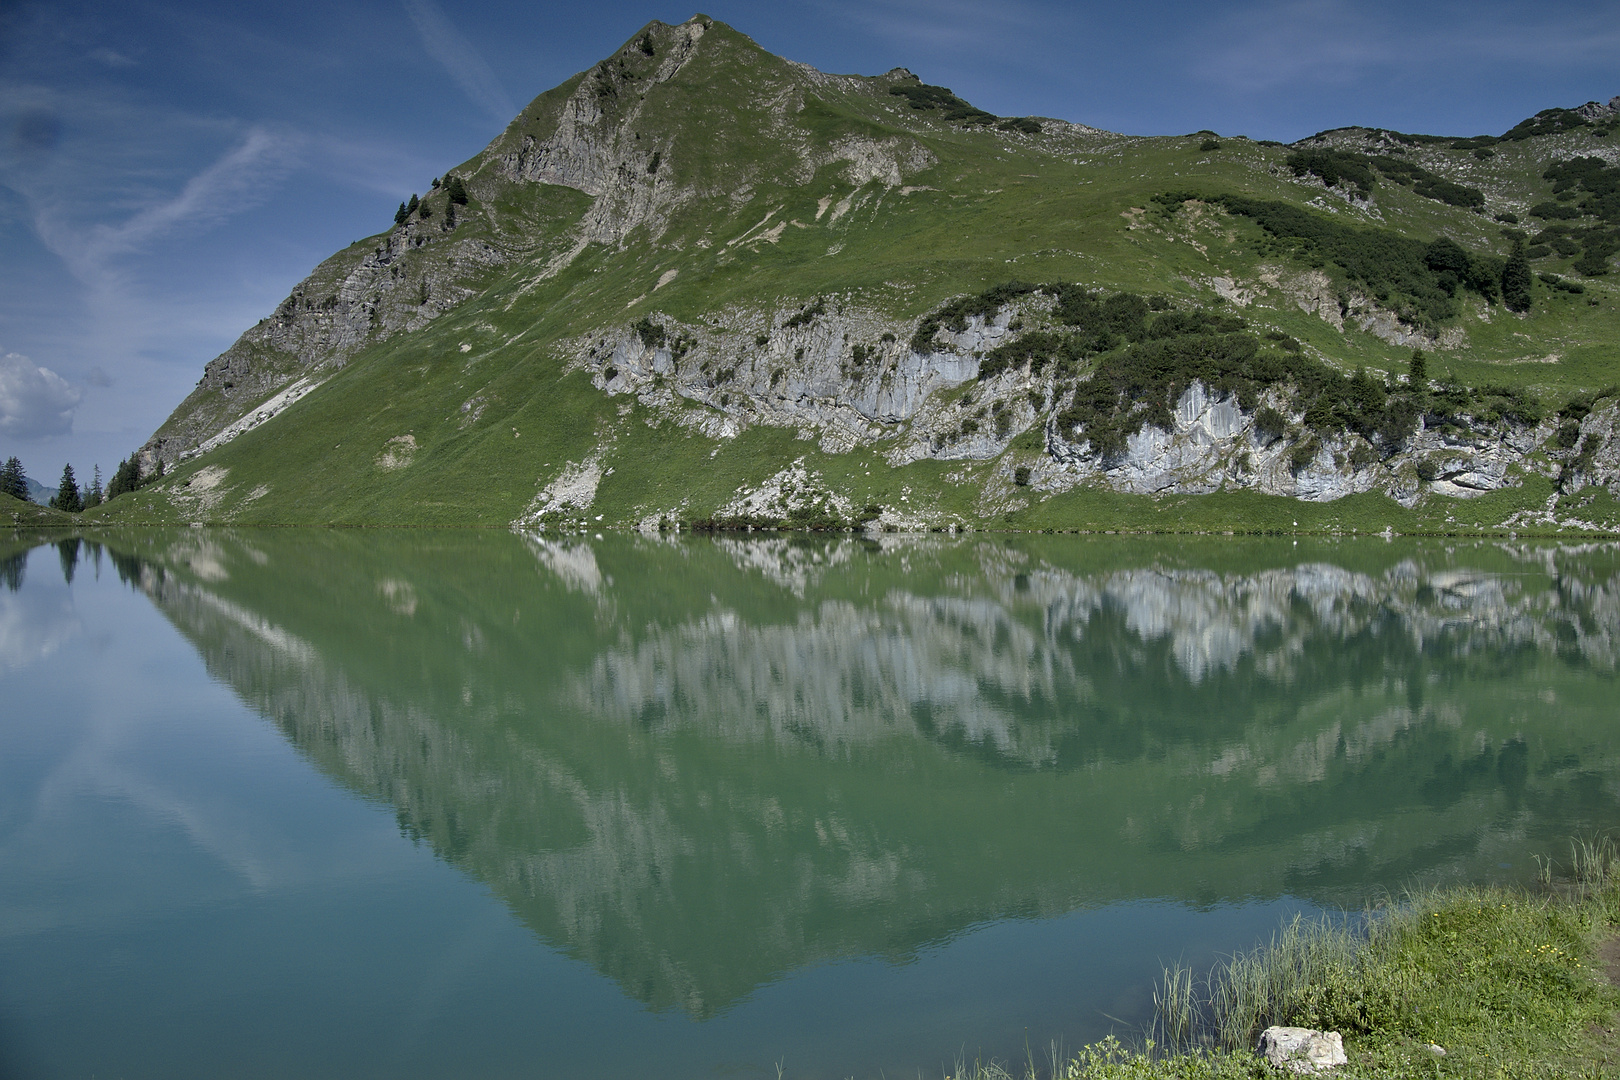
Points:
point(700, 283)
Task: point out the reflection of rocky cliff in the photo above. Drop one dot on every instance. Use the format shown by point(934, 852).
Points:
point(697, 765)
point(1011, 662)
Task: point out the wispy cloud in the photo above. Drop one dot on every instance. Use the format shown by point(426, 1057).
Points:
point(95, 252)
point(111, 216)
point(457, 56)
point(230, 184)
point(1258, 48)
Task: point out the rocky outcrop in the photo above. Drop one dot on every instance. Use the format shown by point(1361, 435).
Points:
point(1302, 1050)
point(1594, 111)
point(845, 376)
point(594, 146)
point(845, 373)
point(1213, 444)
point(359, 297)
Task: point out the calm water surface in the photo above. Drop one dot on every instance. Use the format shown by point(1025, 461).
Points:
point(399, 804)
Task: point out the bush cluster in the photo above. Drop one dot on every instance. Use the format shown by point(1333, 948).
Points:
point(1334, 166)
point(1026, 124)
point(924, 97)
point(1416, 280)
point(1561, 285)
point(1545, 122)
point(652, 334)
point(1144, 353)
point(1596, 177)
point(928, 98)
point(1593, 243)
point(806, 314)
point(1582, 187)
point(954, 316)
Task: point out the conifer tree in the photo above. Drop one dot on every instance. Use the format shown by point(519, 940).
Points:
point(401, 214)
point(1516, 280)
point(410, 207)
point(67, 497)
point(92, 496)
point(13, 481)
point(127, 477)
point(455, 189)
point(1419, 377)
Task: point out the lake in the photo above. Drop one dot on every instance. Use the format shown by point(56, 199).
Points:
point(433, 803)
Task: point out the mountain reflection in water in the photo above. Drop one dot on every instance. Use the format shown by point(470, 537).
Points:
point(700, 764)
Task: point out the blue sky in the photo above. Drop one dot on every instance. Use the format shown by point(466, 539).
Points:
point(171, 169)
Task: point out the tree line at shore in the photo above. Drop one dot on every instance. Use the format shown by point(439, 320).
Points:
point(70, 497)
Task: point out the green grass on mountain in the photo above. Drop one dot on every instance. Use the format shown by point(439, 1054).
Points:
point(747, 192)
point(16, 512)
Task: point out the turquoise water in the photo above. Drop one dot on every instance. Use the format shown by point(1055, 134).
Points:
point(403, 804)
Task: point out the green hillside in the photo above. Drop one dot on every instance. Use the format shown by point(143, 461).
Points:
point(700, 283)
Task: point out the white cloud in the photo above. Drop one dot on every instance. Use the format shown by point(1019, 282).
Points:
point(35, 402)
point(458, 57)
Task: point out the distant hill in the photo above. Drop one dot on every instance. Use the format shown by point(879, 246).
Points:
point(38, 492)
point(700, 284)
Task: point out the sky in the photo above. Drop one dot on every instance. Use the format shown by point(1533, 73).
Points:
point(170, 170)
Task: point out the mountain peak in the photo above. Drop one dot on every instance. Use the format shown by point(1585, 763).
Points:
point(698, 281)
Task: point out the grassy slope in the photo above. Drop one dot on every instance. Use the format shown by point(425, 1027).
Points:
point(26, 514)
point(995, 206)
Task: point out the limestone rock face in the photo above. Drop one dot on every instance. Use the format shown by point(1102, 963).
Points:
point(1302, 1050)
point(594, 148)
point(358, 297)
point(848, 377)
point(805, 376)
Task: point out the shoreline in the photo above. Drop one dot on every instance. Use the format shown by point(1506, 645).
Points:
point(1454, 981)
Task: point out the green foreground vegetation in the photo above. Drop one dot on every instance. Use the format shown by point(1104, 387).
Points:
point(1450, 982)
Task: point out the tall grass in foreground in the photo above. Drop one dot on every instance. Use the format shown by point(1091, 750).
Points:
point(1501, 979)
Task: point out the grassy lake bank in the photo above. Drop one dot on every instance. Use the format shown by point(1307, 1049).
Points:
point(1465, 981)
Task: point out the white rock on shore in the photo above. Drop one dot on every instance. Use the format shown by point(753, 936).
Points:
point(1302, 1050)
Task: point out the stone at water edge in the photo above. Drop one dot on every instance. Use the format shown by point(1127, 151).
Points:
point(1302, 1050)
